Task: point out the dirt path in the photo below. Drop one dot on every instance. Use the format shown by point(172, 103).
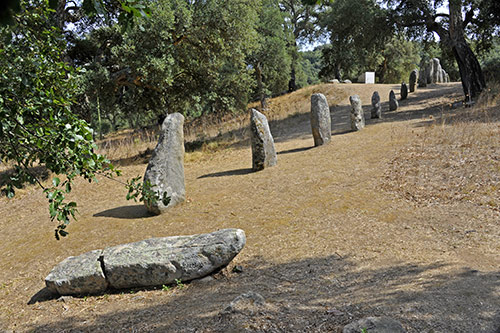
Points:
point(326, 244)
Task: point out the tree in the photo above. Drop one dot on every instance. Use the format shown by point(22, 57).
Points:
point(37, 126)
point(480, 19)
point(358, 31)
point(399, 58)
point(187, 57)
point(301, 25)
point(270, 59)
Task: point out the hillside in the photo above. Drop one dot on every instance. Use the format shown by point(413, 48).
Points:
point(400, 219)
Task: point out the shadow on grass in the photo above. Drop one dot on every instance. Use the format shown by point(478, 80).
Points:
point(313, 295)
point(295, 150)
point(236, 172)
point(126, 212)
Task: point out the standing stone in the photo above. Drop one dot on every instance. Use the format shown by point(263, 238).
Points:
point(429, 72)
point(437, 71)
point(413, 80)
point(321, 123)
point(393, 102)
point(165, 170)
point(263, 151)
point(444, 75)
point(78, 275)
point(159, 261)
point(376, 106)
point(357, 114)
point(404, 91)
point(422, 82)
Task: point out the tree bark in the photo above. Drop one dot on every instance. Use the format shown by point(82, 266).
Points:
point(470, 70)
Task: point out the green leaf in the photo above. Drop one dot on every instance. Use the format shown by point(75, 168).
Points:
point(56, 181)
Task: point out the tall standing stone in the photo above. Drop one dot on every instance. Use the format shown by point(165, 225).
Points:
point(165, 170)
point(321, 123)
point(437, 74)
point(429, 72)
point(413, 80)
point(357, 114)
point(263, 151)
point(393, 102)
point(444, 75)
point(404, 91)
point(376, 106)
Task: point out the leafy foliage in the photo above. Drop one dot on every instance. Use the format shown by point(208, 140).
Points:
point(143, 192)
point(270, 58)
point(37, 126)
point(187, 57)
point(358, 31)
point(400, 57)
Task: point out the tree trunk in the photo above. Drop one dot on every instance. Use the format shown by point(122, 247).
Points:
point(470, 71)
point(336, 72)
point(292, 84)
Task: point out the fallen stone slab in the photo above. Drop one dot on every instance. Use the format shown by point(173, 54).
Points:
point(158, 261)
point(147, 263)
point(374, 325)
point(82, 274)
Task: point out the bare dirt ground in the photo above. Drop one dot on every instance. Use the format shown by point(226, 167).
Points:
point(400, 219)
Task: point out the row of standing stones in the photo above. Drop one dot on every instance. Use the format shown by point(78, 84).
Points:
point(162, 261)
point(159, 261)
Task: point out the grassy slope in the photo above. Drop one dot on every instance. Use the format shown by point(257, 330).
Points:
point(367, 225)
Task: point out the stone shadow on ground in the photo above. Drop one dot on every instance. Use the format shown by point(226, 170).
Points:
point(126, 212)
point(236, 172)
point(314, 295)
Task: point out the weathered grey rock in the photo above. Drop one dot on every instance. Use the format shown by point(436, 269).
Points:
point(437, 74)
point(376, 106)
point(393, 102)
point(429, 72)
point(321, 123)
point(347, 81)
point(263, 151)
point(446, 77)
point(165, 170)
point(422, 82)
point(404, 91)
point(78, 275)
point(357, 114)
point(413, 80)
point(375, 325)
point(159, 261)
point(334, 81)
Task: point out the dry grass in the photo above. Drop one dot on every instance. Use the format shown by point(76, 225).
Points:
point(456, 158)
point(213, 133)
point(325, 243)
